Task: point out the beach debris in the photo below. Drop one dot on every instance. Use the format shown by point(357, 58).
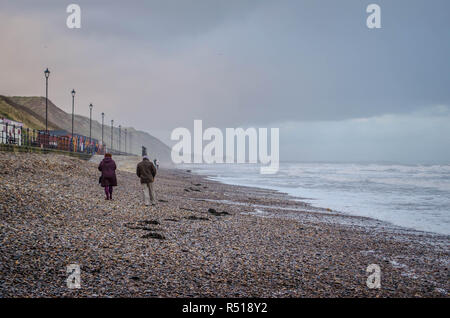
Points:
point(214, 212)
point(171, 220)
point(154, 222)
point(154, 235)
point(193, 217)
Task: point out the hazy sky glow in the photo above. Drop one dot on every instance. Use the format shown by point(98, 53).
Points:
point(337, 90)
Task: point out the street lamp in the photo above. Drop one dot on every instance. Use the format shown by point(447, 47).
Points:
point(47, 74)
point(103, 119)
point(131, 143)
point(120, 138)
point(73, 109)
point(90, 122)
point(112, 131)
point(125, 140)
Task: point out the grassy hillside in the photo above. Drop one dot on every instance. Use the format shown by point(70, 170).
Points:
point(11, 110)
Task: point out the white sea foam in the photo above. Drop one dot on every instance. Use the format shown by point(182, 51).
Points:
point(411, 196)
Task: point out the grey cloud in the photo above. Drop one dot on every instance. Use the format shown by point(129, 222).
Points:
point(230, 63)
point(422, 136)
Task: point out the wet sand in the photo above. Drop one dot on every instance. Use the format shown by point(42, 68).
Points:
point(266, 244)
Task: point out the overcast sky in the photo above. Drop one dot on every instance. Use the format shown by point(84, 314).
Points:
point(337, 90)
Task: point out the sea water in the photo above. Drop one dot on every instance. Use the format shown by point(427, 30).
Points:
point(411, 196)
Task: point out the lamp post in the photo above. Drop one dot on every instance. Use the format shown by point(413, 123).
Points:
point(112, 126)
point(131, 143)
point(103, 119)
point(120, 138)
point(73, 109)
point(125, 140)
point(47, 74)
point(90, 122)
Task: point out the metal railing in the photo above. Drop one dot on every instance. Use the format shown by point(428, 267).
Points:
point(25, 137)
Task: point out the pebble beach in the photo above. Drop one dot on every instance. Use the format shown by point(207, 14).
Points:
point(202, 239)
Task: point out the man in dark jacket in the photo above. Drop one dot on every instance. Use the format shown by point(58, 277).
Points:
point(146, 171)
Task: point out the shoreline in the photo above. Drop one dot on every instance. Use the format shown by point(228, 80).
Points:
point(323, 208)
point(336, 217)
point(198, 253)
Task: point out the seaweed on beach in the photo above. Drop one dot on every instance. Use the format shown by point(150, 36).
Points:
point(214, 212)
point(154, 235)
point(193, 217)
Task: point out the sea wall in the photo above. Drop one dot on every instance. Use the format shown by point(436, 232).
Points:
point(17, 149)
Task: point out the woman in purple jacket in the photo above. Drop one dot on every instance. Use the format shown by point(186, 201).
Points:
point(108, 178)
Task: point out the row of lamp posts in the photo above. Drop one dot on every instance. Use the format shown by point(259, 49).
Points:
point(47, 75)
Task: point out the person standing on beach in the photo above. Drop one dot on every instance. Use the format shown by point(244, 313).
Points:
point(146, 171)
point(108, 179)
